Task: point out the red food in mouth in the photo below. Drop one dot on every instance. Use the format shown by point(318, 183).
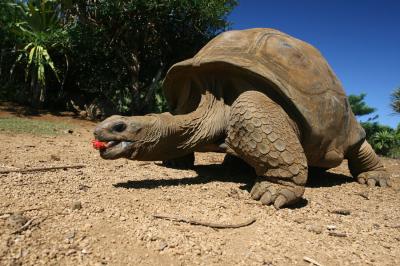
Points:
point(99, 145)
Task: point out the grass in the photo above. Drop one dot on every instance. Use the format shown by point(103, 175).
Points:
point(394, 153)
point(16, 125)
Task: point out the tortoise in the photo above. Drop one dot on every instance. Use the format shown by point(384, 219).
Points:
point(258, 94)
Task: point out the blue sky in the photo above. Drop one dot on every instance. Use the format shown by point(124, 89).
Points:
point(359, 38)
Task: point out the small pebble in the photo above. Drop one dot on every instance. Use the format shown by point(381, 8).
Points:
point(315, 228)
point(70, 235)
point(299, 220)
point(87, 226)
point(55, 157)
point(77, 205)
point(83, 187)
point(85, 251)
point(331, 227)
point(162, 246)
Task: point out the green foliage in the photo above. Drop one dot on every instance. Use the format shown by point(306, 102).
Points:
point(112, 52)
point(359, 106)
point(132, 44)
point(371, 128)
point(38, 30)
point(16, 125)
point(395, 100)
point(383, 139)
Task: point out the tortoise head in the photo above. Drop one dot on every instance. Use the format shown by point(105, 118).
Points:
point(126, 137)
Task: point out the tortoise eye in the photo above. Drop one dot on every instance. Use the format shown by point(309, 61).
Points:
point(119, 127)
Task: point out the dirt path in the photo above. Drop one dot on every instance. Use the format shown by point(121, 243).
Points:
point(102, 214)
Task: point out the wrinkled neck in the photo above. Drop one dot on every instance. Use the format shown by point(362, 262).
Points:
point(183, 134)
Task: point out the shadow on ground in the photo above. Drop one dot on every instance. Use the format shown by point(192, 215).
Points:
point(206, 174)
point(219, 173)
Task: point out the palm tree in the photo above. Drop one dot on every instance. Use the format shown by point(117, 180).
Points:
point(395, 98)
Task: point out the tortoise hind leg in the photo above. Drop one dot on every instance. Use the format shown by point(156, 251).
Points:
point(366, 166)
point(260, 132)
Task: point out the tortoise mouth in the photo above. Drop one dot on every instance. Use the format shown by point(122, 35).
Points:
point(115, 149)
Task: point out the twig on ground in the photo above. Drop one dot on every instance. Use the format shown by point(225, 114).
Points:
point(22, 211)
point(25, 226)
point(393, 225)
point(143, 164)
point(341, 211)
point(195, 222)
point(363, 194)
point(337, 234)
point(29, 223)
point(42, 169)
point(253, 203)
point(312, 261)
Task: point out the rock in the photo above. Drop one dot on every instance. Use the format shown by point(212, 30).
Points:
point(315, 228)
point(87, 226)
point(162, 245)
point(300, 220)
point(77, 205)
point(331, 227)
point(99, 210)
point(55, 157)
point(85, 251)
point(83, 187)
point(70, 235)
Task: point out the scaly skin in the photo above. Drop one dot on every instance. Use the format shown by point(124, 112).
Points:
point(366, 166)
point(261, 134)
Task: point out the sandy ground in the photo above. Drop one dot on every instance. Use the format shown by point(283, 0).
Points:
point(102, 214)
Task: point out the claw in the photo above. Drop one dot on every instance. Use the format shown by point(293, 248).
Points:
point(280, 201)
point(266, 199)
point(371, 182)
point(289, 195)
point(258, 190)
point(374, 178)
point(383, 183)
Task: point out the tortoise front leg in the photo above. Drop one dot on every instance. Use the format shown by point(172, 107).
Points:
point(366, 166)
point(261, 134)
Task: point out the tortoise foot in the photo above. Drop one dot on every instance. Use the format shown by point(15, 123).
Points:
point(374, 178)
point(279, 195)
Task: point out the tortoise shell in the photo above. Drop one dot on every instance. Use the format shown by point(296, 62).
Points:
point(290, 68)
